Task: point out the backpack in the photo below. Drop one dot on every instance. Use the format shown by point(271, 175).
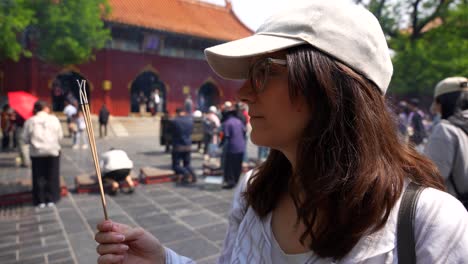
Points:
point(209, 127)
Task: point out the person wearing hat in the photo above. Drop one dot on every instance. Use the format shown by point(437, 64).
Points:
point(211, 125)
point(448, 144)
point(416, 129)
point(331, 188)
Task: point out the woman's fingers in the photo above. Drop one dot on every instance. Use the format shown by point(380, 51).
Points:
point(118, 249)
point(110, 259)
point(109, 237)
point(105, 226)
point(133, 234)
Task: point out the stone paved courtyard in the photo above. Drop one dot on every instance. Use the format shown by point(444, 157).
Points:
point(190, 220)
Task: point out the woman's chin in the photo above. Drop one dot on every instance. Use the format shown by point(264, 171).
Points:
point(258, 138)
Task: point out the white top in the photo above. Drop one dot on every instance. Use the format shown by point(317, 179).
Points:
point(277, 254)
point(441, 235)
point(43, 132)
point(447, 147)
point(115, 160)
point(69, 110)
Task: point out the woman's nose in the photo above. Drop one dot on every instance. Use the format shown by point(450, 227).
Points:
point(245, 93)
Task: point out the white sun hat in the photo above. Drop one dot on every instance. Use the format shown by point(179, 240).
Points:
point(345, 31)
point(450, 84)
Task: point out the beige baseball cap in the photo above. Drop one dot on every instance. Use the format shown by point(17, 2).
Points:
point(450, 84)
point(345, 31)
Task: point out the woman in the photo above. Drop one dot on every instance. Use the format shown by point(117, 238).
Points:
point(43, 133)
point(330, 189)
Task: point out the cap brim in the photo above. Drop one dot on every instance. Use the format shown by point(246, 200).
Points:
point(231, 60)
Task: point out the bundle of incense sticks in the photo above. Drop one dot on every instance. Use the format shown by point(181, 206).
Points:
point(92, 141)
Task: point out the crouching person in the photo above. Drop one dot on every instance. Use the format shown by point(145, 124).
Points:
point(115, 168)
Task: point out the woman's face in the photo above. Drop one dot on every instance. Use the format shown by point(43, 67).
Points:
point(277, 120)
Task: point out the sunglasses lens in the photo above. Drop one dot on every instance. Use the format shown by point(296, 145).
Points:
point(259, 75)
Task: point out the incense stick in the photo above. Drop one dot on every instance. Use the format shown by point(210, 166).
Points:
point(92, 142)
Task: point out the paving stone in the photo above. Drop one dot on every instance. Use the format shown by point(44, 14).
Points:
point(129, 200)
point(214, 232)
point(7, 233)
point(84, 246)
point(194, 248)
point(5, 256)
point(64, 203)
point(58, 255)
point(62, 261)
point(7, 227)
point(53, 239)
point(182, 209)
point(28, 239)
point(28, 228)
point(155, 220)
point(205, 200)
point(189, 192)
point(50, 227)
point(34, 235)
point(29, 252)
point(168, 200)
point(153, 193)
point(8, 248)
point(200, 219)
point(142, 211)
point(72, 221)
point(170, 233)
point(220, 208)
point(34, 260)
point(49, 218)
point(51, 232)
point(7, 240)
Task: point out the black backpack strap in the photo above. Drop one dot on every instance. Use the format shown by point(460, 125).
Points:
point(405, 230)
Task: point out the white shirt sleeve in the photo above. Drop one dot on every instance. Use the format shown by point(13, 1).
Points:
point(236, 216)
point(441, 228)
point(174, 258)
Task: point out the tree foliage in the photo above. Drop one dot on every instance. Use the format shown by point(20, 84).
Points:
point(15, 16)
point(429, 40)
point(441, 52)
point(62, 31)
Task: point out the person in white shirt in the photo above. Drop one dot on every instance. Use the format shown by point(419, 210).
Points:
point(157, 101)
point(330, 190)
point(115, 167)
point(43, 133)
point(69, 111)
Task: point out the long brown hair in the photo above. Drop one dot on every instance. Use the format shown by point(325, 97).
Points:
point(351, 164)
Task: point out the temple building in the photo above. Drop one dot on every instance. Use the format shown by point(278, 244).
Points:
point(156, 46)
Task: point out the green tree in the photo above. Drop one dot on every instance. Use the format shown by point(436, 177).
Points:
point(428, 38)
point(437, 54)
point(60, 31)
point(15, 16)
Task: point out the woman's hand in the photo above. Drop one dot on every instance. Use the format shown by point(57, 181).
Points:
point(119, 243)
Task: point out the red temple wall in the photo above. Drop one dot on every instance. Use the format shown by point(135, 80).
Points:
point(121, 68)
